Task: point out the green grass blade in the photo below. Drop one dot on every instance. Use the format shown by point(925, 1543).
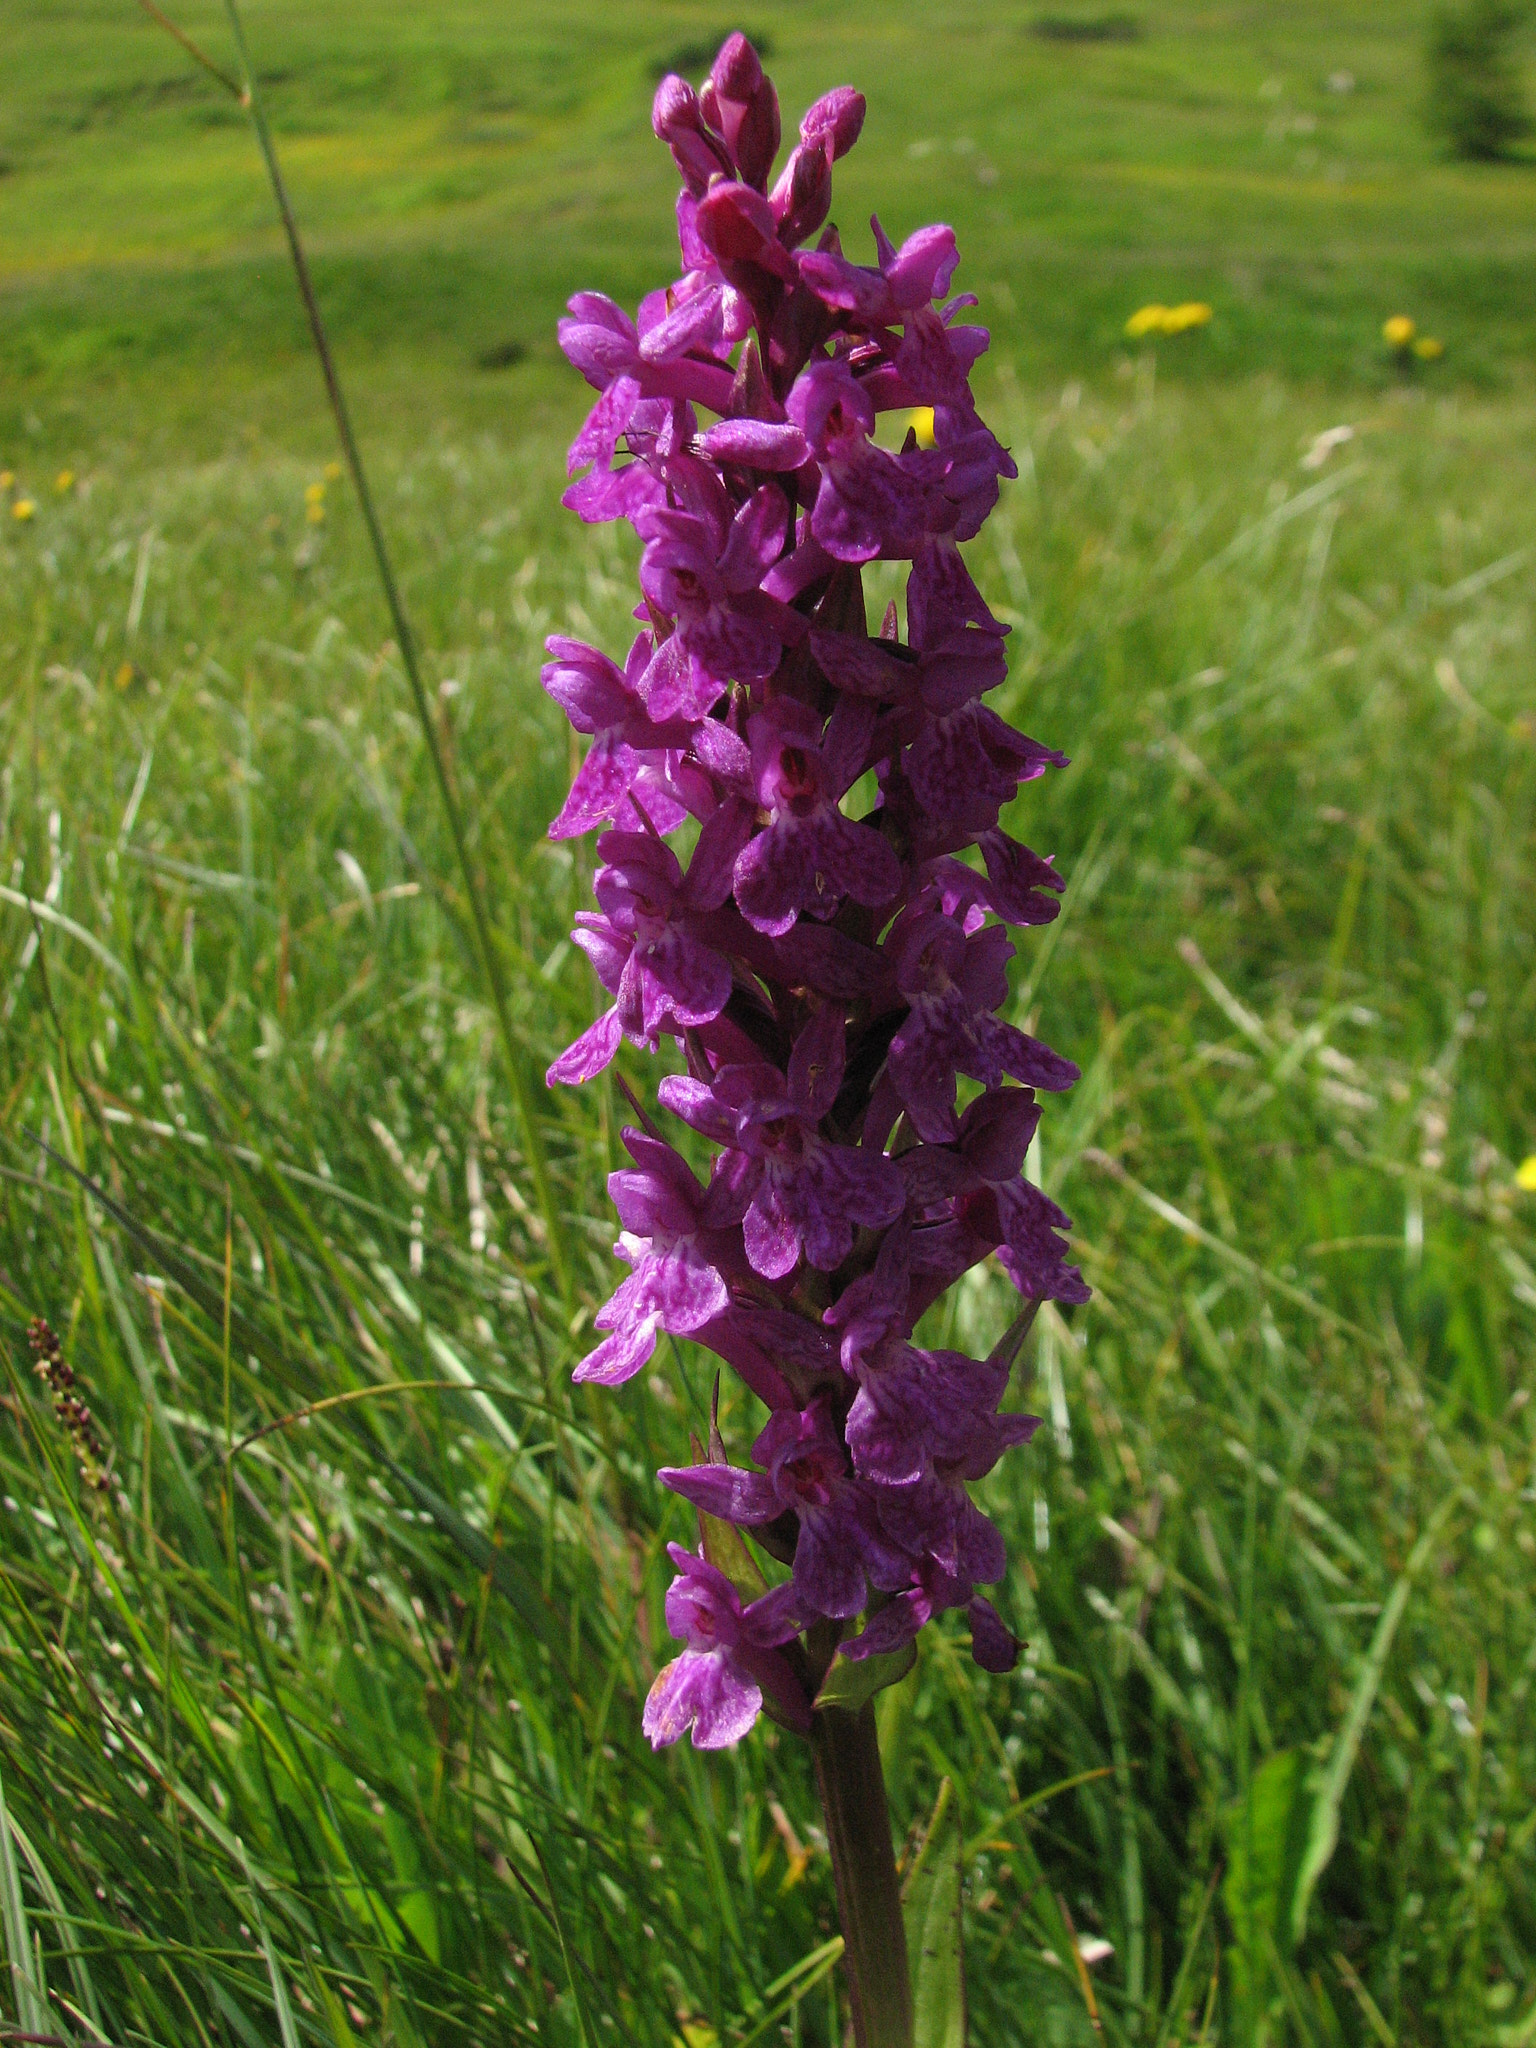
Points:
point(29, 1988)
point(1328, 1793)
point(583, 2024)
point(64, 1925)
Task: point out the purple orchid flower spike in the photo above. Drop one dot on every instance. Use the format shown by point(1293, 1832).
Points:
point(716, 1686)
point(806, 884)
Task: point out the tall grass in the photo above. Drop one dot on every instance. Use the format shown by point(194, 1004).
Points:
point(324, 1725)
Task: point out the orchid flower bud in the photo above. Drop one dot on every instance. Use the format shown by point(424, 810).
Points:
point(679, 122)
point(747, 108)
point(838, 116)
point(803, 194)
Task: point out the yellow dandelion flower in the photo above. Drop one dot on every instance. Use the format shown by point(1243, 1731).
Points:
point(125, 675)
point(1146, 320)
point(63, 480)
point(1179, 319)
point(1525, 1175)
point(314, 512)
point(1428, 349)
point(1399, 331)
point(332, 472)
point(314, 494)
point(7, 478)
point(921, 423)
point(23, 508)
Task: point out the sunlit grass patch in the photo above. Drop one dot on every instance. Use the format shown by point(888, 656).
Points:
point(397, 1645)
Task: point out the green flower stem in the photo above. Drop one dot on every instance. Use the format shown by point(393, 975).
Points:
point(852, 1787)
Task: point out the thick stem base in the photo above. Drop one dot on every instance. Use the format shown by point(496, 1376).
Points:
point(852, 1787)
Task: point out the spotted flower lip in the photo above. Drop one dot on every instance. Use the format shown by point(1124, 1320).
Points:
point(955, 984)
point(804, 888)
point(869, 503)
point(919, 1412)
point(628, 746)
point(646, 944)
point(716, 1686)
point(704, 569)
point(792, 1191)
point(810, 855)
point(676, 1285)
point(977, 1192)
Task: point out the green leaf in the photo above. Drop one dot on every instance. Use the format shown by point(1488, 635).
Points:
point(930, 1906)
point(1265, 1835)
point(728, 1553)
point(722, 1542)
point(851, 1681)
point(419, 1913)
point(288, 2033)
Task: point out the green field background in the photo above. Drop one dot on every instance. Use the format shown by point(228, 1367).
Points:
point(322, 1726)
point(456, 165)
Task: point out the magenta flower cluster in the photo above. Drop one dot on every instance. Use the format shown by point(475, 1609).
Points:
point(828, 961)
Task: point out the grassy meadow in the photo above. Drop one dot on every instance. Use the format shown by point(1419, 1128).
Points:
point(321, 1723)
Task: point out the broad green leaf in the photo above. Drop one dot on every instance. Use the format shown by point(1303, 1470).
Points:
point(930, 1905)
point(419, 1913)
point(851, 1681)
point(1265, 1835)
